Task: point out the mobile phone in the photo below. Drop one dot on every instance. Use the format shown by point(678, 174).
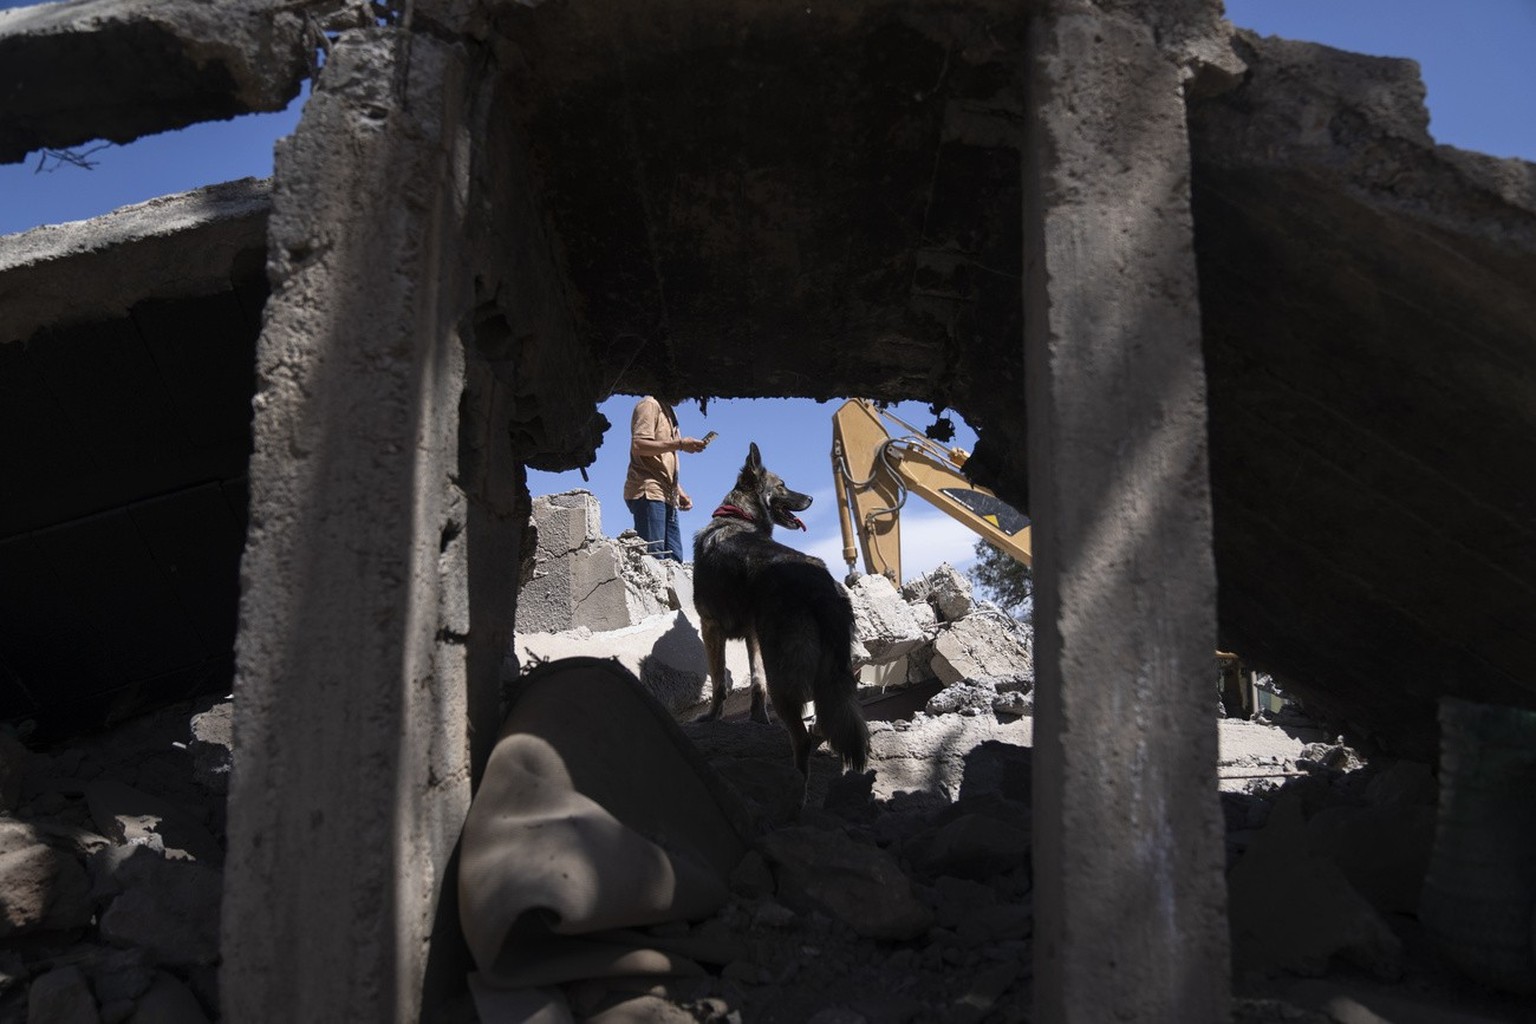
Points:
point(710, 436)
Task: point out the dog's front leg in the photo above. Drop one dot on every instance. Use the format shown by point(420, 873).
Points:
point(759, 679)
point(714, 655)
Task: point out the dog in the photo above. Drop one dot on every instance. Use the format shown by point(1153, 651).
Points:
point(796, 620)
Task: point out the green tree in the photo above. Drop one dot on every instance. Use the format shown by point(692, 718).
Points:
point(1003, 579)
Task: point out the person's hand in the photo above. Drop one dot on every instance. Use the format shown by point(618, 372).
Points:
point(684, 503)
point(691, 444)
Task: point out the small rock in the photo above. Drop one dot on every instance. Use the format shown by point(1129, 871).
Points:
point(770, 914)
point(986, 988)
point(62, 996)
point(168, 1001)
point(212, 746)
point(121, 975)
point(752, 876)
point(43, 888)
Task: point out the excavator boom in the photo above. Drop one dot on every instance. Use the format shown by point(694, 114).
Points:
point(873, 472)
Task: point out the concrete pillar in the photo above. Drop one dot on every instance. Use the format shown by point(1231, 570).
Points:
point(352, 772)
point(1130, 896)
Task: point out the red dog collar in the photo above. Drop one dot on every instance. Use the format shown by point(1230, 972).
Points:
point(732, 512)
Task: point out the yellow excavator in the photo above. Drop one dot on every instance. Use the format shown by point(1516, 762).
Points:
point(874, 468)
point(873, 471)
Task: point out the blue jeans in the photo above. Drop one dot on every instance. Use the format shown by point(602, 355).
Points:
point(656, 523)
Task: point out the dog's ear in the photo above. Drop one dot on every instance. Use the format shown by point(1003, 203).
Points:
point(754, 457)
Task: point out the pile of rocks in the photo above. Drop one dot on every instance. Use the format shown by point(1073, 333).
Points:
point(111, 856)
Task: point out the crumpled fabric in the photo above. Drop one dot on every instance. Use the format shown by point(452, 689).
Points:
point(595, 817)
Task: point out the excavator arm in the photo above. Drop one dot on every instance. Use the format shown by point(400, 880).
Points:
point(873, 472)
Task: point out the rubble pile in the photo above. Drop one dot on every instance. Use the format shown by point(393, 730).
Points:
point(111, 872)
point(589, 589)
point(901, 894)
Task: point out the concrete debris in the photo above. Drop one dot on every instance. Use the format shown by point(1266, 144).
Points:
point(582, 579)
point(901, 894)
point(62, 996)
point(982, 696)
point(43, 888)
point(945, 590)
point(211, 746)
point(886, 625)
point(1293, 909)
point(934, 754)
point(593, 593)
point(988, 644)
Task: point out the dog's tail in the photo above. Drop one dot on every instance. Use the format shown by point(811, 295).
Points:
point(838, 716)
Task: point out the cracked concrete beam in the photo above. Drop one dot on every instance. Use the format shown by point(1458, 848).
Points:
point(192, 243)
point(120, 69)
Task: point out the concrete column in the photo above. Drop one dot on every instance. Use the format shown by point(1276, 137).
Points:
point(352, 772)
point(1130, 896)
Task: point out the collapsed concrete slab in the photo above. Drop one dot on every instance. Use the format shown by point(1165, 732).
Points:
point(119, 69)
point(583, 580)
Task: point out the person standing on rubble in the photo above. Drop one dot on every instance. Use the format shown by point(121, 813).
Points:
point(651, 487)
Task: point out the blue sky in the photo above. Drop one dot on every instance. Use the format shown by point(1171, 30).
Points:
point(1475, 56)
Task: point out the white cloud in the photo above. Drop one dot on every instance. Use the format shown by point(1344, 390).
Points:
point(927, 538)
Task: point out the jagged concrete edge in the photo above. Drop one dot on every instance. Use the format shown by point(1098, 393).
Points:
point(171, 247)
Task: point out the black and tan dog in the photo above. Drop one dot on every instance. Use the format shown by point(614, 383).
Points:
point(796, 620)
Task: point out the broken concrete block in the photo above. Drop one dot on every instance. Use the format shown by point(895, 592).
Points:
point(964, 697)
point(583, 588)
point(44, 889)
point(1383, 851)
point(168, 1001)
point(1290, 909)
point(567, 522)
point(988, 645)
point(170, 907)
point(212, 746)
point(648, 583)
point(887, 626)
point(62, 996)
point(944, 590)
point(931, 754)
